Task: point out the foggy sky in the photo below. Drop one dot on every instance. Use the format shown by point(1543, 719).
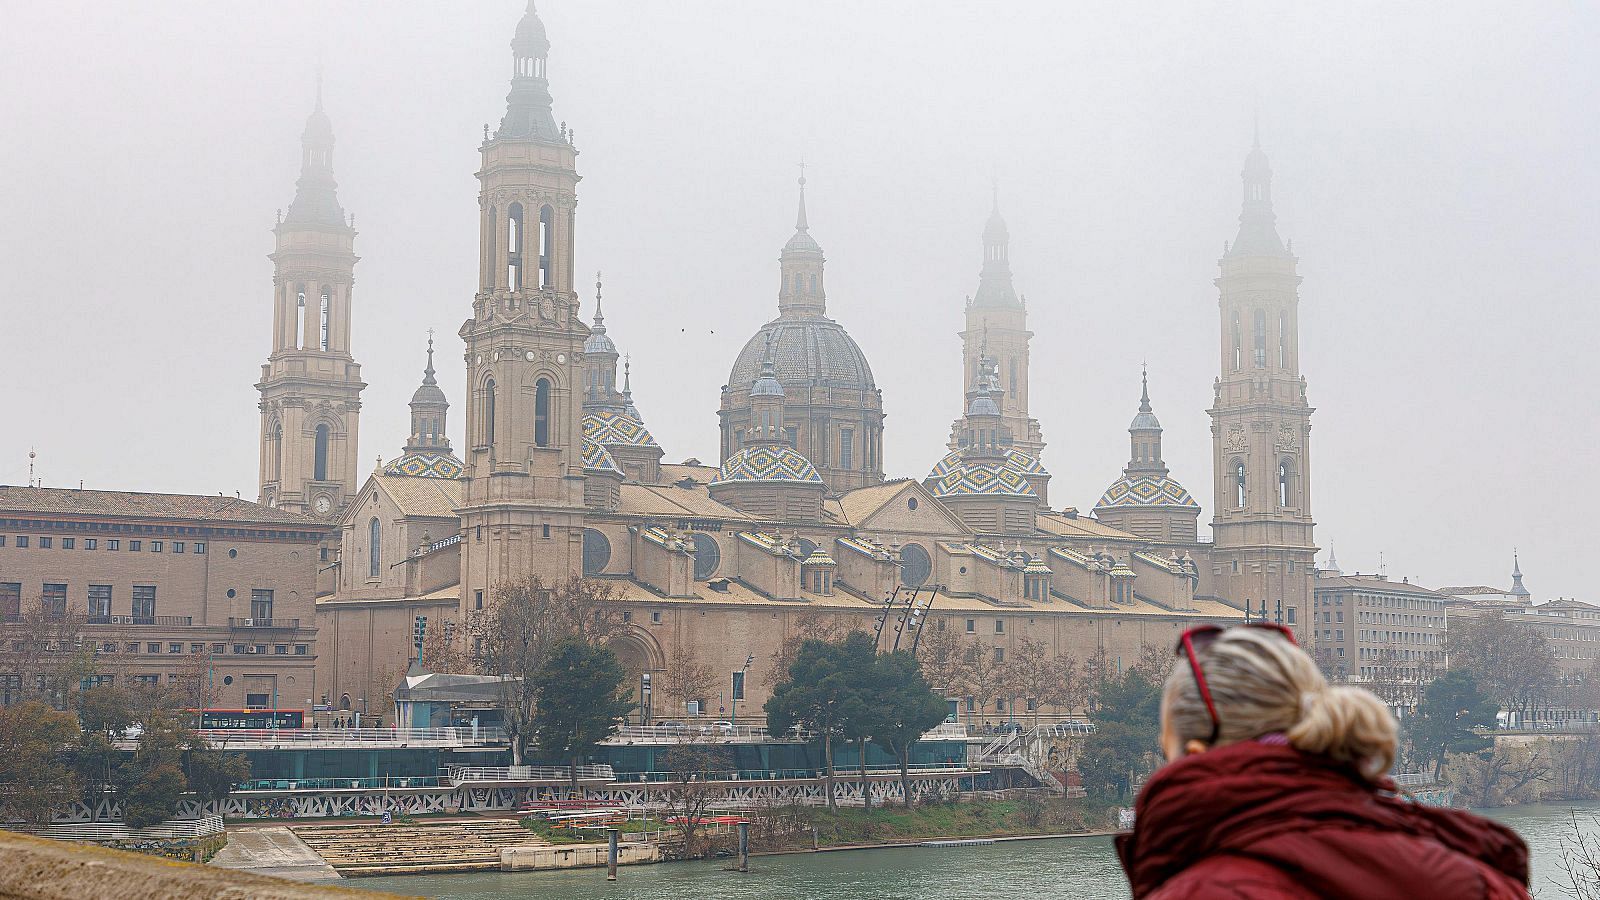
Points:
point(1435, 169)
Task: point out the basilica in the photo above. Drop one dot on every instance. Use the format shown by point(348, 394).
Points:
point(797, 522)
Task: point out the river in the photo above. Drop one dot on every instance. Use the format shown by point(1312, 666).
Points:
point(1079, 868)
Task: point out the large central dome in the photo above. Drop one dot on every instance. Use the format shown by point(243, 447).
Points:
point(808, 352)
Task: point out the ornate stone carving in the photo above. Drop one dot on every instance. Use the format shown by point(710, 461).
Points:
point(1237, 441)
point(1287, 440)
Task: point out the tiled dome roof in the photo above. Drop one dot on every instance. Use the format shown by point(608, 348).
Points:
point(1016, 460)
point(609, 426)
point(983, 479)
point(1147, 490)
point(805, 352)
point(768, 462)
point(426, 465)
point(597, 459)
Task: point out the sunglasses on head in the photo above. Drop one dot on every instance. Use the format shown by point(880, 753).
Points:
point(1204, 635)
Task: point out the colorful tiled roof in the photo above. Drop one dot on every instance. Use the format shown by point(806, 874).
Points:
point(768, 462)
point(1016, 460)
point(597, 459)
point(1146, 490)
point(609, 426)
point(983, 479)
point(426, 464)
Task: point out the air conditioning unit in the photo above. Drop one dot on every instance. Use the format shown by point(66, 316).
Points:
point(250, 649)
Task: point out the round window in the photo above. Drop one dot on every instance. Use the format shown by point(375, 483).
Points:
point(911, 503)
point(707, 555)
point(227, 679)
point(915, 566)
point(232, 592)
point(596, 552)
point(232, 554)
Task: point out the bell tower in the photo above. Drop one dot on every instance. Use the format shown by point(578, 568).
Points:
point(522, 511)
point(311, 386)
point(1261, 420)
point(997, 329)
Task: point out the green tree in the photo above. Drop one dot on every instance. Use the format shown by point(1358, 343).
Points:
point(1451, 707)
point(212, 775)
point(104, 713)
point(1127, 731)
point(38, 781)
point(151, 784)
point(903, 709)
point(824, 694)
point(581, 698)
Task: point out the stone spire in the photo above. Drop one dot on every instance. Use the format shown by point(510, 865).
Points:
point(1258, 229)
point(994, 280)
point(1333, 563)
point(985, 434)
point(800, 292)
point(429, 409)
point(766, 404)
point(528, 106)
point(1517, 588)
point(1144, 434)
point(600, 361)
point(316, 200)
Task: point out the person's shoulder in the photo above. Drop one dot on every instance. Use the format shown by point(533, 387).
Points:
point(1227, 876)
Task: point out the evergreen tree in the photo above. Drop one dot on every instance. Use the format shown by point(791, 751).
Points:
point(1451, 707)
point(902, 709)
point(581, 698)
point(827, 694)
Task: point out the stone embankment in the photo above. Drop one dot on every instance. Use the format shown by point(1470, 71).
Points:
point(40, 869)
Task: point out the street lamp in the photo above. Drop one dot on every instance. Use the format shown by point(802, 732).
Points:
point(738, 687)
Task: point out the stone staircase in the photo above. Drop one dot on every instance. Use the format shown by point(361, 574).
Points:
point(416, 849)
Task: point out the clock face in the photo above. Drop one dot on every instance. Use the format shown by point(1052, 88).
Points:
point(528, 356)
point(323, 504)
point(561, 359)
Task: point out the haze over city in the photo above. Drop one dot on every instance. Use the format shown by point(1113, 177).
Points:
point(1434, 175)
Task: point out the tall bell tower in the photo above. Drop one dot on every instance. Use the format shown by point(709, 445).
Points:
point(522, 512)
point(1260, 419)
point(311, 386)
point(997, 330)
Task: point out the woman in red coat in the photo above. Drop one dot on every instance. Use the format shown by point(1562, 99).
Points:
point(1275, 787)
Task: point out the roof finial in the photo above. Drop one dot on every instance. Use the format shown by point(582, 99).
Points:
point(627, 374)
point(1144, 393)
point(1255, 120)
point(800, 219)
point(427, 374)
point(599, 317)
point(32, 454)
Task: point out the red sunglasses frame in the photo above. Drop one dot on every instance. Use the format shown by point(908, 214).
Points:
point(1186, 645)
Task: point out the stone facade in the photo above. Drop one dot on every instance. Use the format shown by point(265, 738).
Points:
point(170, 585)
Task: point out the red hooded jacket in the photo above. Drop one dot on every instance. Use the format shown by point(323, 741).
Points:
point(1251, 820)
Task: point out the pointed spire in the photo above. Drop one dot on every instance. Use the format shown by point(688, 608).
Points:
point(800, 217)
point(528, 106)
point(427, 373)
point(1517, 588)
point(1144, 392)
point(316, 200)
point(1258, 230)
point(1333, 562)
point(767, 385)
point(599, 314)
point(994, 279)
point(800, 264)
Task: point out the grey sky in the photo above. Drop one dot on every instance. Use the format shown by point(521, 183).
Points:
point(1434, 167)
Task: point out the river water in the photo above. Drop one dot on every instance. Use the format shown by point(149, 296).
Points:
point(1079, 868)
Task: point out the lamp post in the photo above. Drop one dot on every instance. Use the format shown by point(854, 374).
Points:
point(738, 688)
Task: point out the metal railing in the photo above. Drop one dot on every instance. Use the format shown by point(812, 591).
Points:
point(140, 620)
point(342, 784)
point(117, 831)
point(263, 623)
point(458, 775)
point(453, 737)
point(1413, 779)
point(915, 769)
point(696, 731)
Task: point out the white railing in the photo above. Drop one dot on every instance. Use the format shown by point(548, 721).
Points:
point(376, 737)
point(690, 732)
point(946, 731)
point(458, 775)
point(175, 829)
point(1413, 779)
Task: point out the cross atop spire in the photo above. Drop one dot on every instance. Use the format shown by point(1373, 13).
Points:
point(427, 373)
point(800, 217)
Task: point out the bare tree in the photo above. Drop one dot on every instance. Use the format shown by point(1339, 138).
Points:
point(1513, 662)
point(444, 648)
point(1506, 774)
point(527, 620)
point(985, 677)
point(694, 785)
point(1580, 859)
point(44, 655)
point(686, 677)
point(1044, 679)
point(942, 657)
point(809, 626)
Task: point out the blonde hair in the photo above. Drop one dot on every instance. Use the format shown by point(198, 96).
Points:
point(1260, 684)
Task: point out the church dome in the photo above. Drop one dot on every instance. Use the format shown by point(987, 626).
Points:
point(1150, 491)
point(597, 459)
point(813, 351)
point(1016, 461)
point(531, 39)
point(609, 426)
point(426, 464)
point(428, 392)
point(769, 462)
point(983, 479)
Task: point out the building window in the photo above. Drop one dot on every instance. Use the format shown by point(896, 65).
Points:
point(1285, 484)
point(174, 647)
point(374, 544)
point(477, 599)
point(999, 654)
point(319, 466)
point(1260, 339)
point(1239, 484)
point(280, 649)
point(22, 542)
point(325, 305)
point(488, 414)
point(847, 448)
point(1291, 615)
point(177, 546)
point(1238, 345)
point(541, 412)
point(99, 601)
point(596, 552)
point(135, 546)
point(972, 626)
point(152, 647)
point(999, 626)
point(547, 245)
point(260, 604)
point(915, 565)
point(55, 601)
point(2, 540)
point(144, 601)
point(10, 600)
point(708, 556)
point(514, 240)
point(301, 649)
point(199, 547)
point(88, 544)
point(655, 617)
point(255, 701)
point(155, 546)
point(219, 647)
point(238, 648)
point(46, 543)
point(68, 543)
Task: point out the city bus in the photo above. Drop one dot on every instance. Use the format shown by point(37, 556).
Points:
point(252, 719)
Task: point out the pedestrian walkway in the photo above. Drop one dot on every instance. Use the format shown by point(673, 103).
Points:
point(272, 851)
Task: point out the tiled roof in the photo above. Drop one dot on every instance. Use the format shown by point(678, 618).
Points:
point(429, 497)
point(1147, 491)
point(139, 505)
point(858, 505)
point(1374, 583)
point(769, 463)
point(426, 464)
point(670, 500)
point(1081, 526)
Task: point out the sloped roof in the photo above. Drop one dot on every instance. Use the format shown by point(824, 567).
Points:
point(1082, 526)
point(670, 500)
point(140, 505)
point(429, 497)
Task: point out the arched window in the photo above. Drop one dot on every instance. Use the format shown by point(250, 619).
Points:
point(488, 414)
point(596, 552)
point(1285, 484)
point(1238, 346)
point(319, 464)
point(707, 555)
point(374, 547)
point(1259, 333)
point(275, 452)
point(547, 246)
point(813, 284)
point(325, 307)
point(915, 566)
point(541, 412)
point(299, 318)
point(514, 241)
point(1238, 484)
point(1283, 340)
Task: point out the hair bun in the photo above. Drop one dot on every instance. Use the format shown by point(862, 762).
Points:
point(1350, 725)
